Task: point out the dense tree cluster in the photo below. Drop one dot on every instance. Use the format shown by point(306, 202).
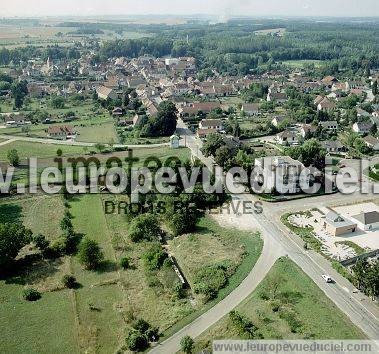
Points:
point(367, 277)
point(164, 123)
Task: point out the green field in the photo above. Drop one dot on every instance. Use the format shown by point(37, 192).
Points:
point(96, 316)
point(286, 297)
point(28, 149)
point(28, 210)
point(301, 64)
point(99, 133)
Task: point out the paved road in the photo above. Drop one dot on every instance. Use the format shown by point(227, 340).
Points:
point(361, 311)
point(74, 143)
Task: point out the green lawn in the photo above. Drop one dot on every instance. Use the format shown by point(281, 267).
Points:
point(28, 149)
point(286, 296)
point(44, 326)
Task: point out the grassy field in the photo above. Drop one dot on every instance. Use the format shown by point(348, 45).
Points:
point(214, 244)
point(29, 209)
point(286, 293)
point(45, 326)
point(101, 133)
point(37, 324)
point(28, 149)
point(302, 63)
point(96, 316)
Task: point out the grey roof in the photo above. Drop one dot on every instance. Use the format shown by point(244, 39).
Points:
point(371, 217)
point(332, 144)
point(337, 220)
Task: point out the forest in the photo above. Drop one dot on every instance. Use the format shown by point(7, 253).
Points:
point(235, 48)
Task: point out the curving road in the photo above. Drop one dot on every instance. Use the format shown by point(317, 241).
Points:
point(270, 253)
point(278, 241)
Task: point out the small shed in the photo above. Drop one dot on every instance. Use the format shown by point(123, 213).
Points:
point(174, 141)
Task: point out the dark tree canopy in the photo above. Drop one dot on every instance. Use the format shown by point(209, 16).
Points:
point(13, 237)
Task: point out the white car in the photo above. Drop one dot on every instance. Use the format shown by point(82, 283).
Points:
point(327, 278)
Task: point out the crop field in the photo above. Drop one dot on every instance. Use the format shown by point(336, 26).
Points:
point(13, 36)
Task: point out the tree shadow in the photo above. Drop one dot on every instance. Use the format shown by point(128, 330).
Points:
point(107, 266)
point(10, 213)
point(29, 269)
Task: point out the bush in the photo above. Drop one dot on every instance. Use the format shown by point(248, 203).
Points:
point(178, 291)
point(57, 248)
point(187, 344)
point(141, 325)
point(144, 227)
point(136, 341)
point(90, 254)
point(242, 324)
point(13, 157)
point(154, 257)
point(209, 280)
point(290, 317)
point(31, 295)
point(69, 281)
point(124, 263)
point(41, 242)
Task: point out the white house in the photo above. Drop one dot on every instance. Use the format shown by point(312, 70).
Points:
point(367, 220)
point(330, 125)
point(105, 92)
point(215, 124)
point(326, 105)
point(276, 121)
point(16, 120)
point(174, 141)
point(307, 129)
point(287, 137)
point(282, 173)
point(279, 97)
point(333, 146)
